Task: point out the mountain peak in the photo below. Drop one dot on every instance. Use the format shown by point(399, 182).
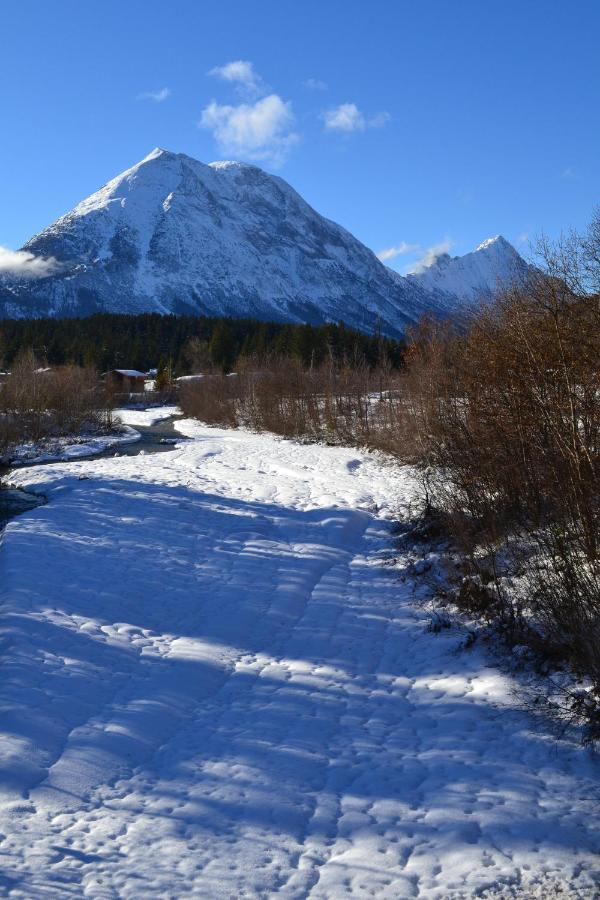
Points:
point(162, 153)
point(481, 273)
point(498, 243)
point(172, 234)
point(170, 159)
point(157, 153)
point(221, 164)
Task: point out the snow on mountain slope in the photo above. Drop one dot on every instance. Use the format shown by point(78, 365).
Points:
point(175, 235)
point(475, 275)
point(172, 234)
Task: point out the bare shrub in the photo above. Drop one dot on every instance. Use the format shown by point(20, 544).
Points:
point(212, 399)
point(507, 424)
point(38, 402)
point(349, 404)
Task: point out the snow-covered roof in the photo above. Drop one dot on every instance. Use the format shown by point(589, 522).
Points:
point(130, 373)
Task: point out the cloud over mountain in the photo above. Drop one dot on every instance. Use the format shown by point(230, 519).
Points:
point(254, 131)
point(22, 264)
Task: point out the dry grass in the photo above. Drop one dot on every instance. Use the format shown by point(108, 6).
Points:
point(335, 405)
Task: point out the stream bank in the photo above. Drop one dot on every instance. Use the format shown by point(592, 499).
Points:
point(159, 437)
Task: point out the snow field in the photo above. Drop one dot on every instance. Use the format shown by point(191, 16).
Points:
point(151, 416)
point(216, 685)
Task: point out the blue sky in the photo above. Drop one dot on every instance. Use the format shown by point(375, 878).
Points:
point(412, 124)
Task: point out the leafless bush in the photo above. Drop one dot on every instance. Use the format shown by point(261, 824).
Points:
point(350, 405)
point(507, 422)
point(37, 401)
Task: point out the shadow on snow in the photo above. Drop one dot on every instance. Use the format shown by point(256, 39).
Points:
point(259, 662)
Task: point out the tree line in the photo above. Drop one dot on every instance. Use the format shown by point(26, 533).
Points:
point(187, 344)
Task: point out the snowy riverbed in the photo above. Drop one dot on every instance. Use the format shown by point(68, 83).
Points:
point(69, 447)
point(215, 687)
point(151, 416)
point(63, 449)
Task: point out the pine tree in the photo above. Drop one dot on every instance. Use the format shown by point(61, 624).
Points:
point(164, 376)
point(222, 347)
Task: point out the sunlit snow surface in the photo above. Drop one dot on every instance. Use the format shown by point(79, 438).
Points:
point(216, 688)
point(151, 416)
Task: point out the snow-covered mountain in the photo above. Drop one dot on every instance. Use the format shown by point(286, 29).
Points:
point(172, 234)
point(474, 276)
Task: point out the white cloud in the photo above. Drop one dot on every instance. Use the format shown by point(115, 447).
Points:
point(241, 73)
point(315, 84)
point(256, 131)
point(426, 259)
point(347, 117)
point(398, 250)
point(157, 96)
point(429, 257)
point(379, 120)
point(26, 265)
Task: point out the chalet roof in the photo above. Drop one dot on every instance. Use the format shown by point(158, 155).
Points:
point(130, 373)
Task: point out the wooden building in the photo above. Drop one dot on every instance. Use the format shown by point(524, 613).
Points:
point(126, 381)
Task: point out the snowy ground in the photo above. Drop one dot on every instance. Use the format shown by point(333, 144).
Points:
point(150, 416)
point(216, 688)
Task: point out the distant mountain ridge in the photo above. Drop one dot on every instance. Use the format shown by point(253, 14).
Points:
point(474, 276)
point(175, 235)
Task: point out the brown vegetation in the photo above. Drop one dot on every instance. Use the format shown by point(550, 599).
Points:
point(508, 421)
point(351, 404)
point(37, 402)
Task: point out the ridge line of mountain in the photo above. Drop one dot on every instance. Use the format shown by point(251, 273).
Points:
point(172, 234)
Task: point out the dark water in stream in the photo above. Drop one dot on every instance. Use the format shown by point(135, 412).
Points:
point(159, 438)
